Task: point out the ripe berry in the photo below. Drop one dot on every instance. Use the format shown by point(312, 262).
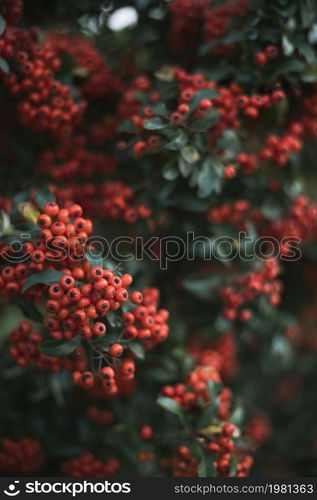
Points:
point(99, 329)
point(116, 350)
point(146, 432)
point(140, 148)
point(136, 297)
point(51, 209)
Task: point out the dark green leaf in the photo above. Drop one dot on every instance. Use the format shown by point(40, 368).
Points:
point(202, 285)
point(43, 196)
point(233, 466)
point(210, 177)
point(59, 348)
point(30, 311)
point(207, 416)
point(21, 197)
point(288, 47)
point(137, 349)
point(170, 171)
point(127, 127)
point(94, 257)
point(229, 143)
point(172, 406)
point(4, 66)
point(159, 109)
point(2, 25)
point(177, 142)
point(113, 319)
point(312, 34)
point(206, 466)
point(47, 277)
point(155, 124)
point(190, 154)
point(206, 123)
point(184, 167)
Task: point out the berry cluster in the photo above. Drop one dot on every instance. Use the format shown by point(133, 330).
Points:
point(183, 464)
point(221, 354)
point(86, 465)
point(145, 321)
point(44, 104)
point(12, 11)
point(77, 304)
point(245, 288)
point(114, 200)
point(100, 417)
point(278, 149)
point(187, 17)
point(234, 213)
point(21, 457)
point(196, 388)
point(73, 158)
point(24, 348)
point(97, 79)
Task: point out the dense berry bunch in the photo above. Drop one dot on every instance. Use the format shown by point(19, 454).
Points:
point(145, 321)
point(44, 104)
point(90, 66)
point(21, 457)
point(187, 17)
point(219, 436)
point(24, 348)
point(73, 158)
point(114, 200)
point(100, 417)
point(196, 388)
point(86, 465)
point(245, 288)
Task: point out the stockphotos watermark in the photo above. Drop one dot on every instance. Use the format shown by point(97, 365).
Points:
point(161, 250)
point(72, 488)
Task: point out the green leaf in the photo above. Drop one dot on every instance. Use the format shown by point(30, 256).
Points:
point(178, 142)
point(30, 311)
point(312, 34)
point(137, 349)
point(43, 196)
point(159, 109)
point(290, 66)
point(288, 47)
point(47, 277)
point(209, 177)
point(202, 94)
point(2, 25)
point(94, 257)
point(207, 416)
point(190, 154)
point(184, 167)
point(202, 285)
point(206, 466)
point(172, 406)
point(113, 319)
point(155, 124)
point(237, 416)
point(233, 466)
point(59, 348)
point(307, 52)
point(205, 123)
point(19, 198)
point(170, 171)
point(126, 126)
point(229, 143)
point(4, 65)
